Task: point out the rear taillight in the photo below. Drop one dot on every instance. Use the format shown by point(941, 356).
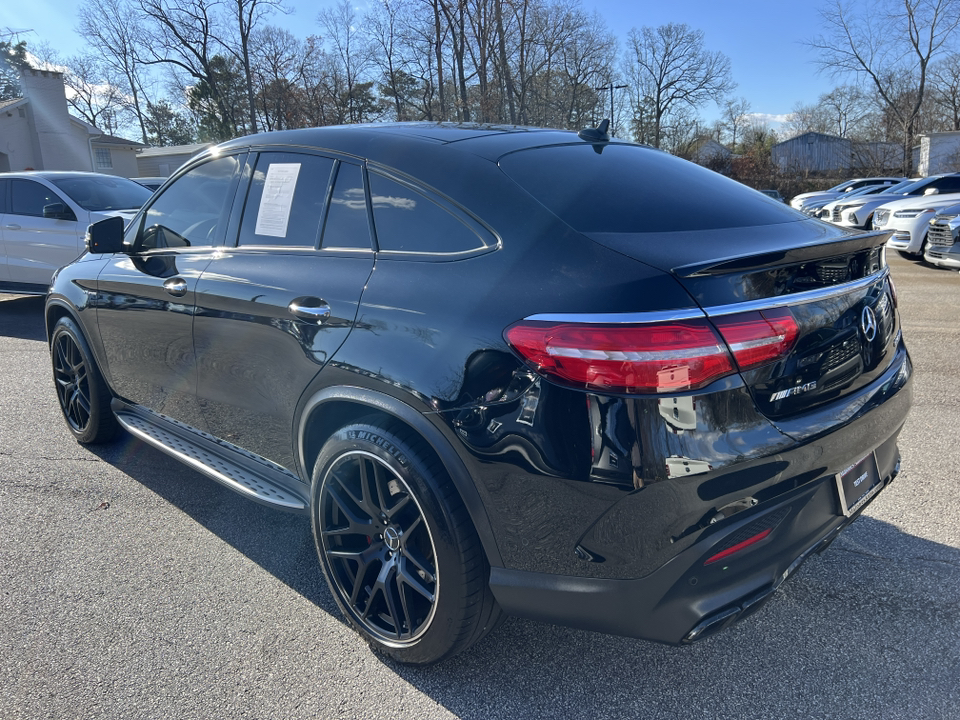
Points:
point(649, 358)
point(758, 338)
point(655, 357)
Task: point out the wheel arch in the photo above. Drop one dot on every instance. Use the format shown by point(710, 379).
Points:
point(343, 405)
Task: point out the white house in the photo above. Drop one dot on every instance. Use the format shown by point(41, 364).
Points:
point(38, 133)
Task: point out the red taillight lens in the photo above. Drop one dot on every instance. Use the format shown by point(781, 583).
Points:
point(650, 358)
point(758, 338)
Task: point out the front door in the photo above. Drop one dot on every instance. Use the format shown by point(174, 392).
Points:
point(146, 298)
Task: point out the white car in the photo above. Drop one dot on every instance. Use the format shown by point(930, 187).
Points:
point(856, 209)
point(44, 217)
point(943, 239)
point(909, 219)
point(805, 202)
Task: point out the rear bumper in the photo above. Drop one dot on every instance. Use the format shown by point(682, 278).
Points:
point(686, 599)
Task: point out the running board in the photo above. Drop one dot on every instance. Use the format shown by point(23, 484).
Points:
point(239, 470)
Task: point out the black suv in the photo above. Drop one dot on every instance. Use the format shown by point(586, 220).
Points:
point(505, 371)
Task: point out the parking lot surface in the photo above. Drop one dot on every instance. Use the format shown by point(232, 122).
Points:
point(134, 587)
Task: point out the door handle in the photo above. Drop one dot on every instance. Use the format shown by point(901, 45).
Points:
point(175, 286)
point(12, 226)
point(310, 309)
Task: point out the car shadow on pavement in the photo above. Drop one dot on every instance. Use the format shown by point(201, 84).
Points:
point(280, 542)
point(22, 317)
point(866, 630)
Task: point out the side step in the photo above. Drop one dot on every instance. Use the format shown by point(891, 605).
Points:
point(249, 475)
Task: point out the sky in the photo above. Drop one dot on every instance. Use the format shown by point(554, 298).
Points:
point(762, 38)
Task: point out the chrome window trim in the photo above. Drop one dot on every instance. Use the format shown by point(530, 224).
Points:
point(640, 318)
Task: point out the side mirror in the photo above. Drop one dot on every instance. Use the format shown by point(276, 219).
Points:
point(931, 191)
point(58, 211)
point(105, 236)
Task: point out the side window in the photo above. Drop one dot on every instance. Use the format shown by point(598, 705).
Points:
point(407, 221)
point(947, 184)
point(190, 210)
point(29, 197)
point(285, 203)
point(4, 189)
point(347, 224)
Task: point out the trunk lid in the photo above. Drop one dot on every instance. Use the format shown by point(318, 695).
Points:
point(834, 283)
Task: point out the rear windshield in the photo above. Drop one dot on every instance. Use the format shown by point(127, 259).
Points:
point(633, 189)
point(97, 194)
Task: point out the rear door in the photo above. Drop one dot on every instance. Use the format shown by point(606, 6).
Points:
point(272, 310)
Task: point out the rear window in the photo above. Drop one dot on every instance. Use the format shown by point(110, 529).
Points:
point(632, 189)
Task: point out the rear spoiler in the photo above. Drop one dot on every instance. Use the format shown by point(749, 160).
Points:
point(844, 246)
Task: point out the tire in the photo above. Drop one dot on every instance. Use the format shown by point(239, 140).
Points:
point(399, 552)
point(81, 391)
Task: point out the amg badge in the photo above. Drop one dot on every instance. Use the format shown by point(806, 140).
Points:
point(783, 394)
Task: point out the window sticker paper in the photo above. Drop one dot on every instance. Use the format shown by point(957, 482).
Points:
point(277, 199)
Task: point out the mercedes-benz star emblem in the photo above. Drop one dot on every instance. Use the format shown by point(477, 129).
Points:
point(392, 538)
point(868, 323)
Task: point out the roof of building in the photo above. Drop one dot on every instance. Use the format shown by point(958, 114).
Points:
point(174, 150)
point(11, 102)
point(113, 140)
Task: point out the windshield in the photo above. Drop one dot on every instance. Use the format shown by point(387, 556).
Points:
point(106, 192)
point(900, 187)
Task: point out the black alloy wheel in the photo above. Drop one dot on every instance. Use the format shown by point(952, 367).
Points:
point(400, 554)
point(81, 391)
point(379, 548)
point(72, 382)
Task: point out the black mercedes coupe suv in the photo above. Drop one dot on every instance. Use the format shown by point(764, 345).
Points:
point(504, 370)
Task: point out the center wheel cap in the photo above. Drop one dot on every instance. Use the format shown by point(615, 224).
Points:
point(391, 537)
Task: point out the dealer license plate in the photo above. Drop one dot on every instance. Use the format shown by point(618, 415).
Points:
point(857, 484)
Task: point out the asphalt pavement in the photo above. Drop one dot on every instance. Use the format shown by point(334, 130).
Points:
point(132, 587)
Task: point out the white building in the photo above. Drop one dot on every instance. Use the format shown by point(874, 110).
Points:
point(939, 153)
point(38, 133)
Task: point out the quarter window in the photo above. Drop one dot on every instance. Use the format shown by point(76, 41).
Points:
point(347, 225)
point(29, 197)
point(407, 221)
point(285, 203)
point(190, 211)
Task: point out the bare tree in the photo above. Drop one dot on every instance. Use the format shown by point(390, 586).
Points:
point(946, 81)
point(890, 45)
point(92, 92)
point(847, 106)
point(246, 15)
point(671, 66)
point(736, 118)
point(113, 27)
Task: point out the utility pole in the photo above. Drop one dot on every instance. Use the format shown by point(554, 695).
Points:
point(611, 87)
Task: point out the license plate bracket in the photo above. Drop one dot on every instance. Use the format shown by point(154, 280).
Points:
point(857, 484)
